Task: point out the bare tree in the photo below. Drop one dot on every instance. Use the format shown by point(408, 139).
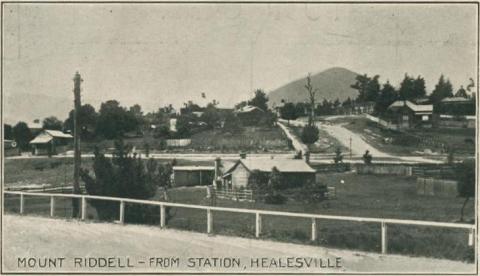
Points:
point(311, 96)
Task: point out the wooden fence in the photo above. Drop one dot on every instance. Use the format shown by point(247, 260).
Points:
point(258, 215)
point(240, 195)
point(178, 142)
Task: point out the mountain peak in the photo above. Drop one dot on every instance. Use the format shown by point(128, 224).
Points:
point(332, 83)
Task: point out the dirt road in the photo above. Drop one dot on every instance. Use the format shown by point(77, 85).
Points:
point(150, 249)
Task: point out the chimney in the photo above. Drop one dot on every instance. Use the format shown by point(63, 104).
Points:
point(243, 155)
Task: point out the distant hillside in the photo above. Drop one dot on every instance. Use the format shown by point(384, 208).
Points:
point(333, 83)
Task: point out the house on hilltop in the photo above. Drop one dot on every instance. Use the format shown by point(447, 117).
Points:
point(295, 172)
point(50, 142)
point(405, 114)
point(250, 115)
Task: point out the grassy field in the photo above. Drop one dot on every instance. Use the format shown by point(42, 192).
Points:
point(325, 144)
point(412, 141)
point(250, 139)
point(56, 171)
point(358, 195)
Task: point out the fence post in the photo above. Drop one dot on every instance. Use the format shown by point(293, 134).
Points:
point(209, 221)
point(52, 206)
point(384, 238)
point(21, 203)
point(84, 208)
point(258, 225)
point(471, 236)
point(314, 229)
point(162, 216)
point(121, 217)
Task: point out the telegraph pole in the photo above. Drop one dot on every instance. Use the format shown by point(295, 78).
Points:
point(77, 80)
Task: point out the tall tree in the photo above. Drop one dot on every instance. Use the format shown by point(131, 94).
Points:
point(311, 98)
point(259, 100)
point(461, 93)
point(419, 89)
point(387, 96)
point(52, 123)
point(368, 88)
point(22, 135)
point(87, 119)
point(288, 112)
point(465, 172)
point(443, 89)
point(114, 120)
point(7, 132)
point(407, 88)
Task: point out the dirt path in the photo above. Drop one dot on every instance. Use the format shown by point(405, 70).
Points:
point(42, 237)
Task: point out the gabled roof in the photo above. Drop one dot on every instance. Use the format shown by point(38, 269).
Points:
point(47, 135)
point(58, 134)
point(266, 165)
point(249, 108)
point(420, 108)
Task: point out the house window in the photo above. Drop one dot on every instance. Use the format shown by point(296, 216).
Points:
point(425, 118)
point(405, 117)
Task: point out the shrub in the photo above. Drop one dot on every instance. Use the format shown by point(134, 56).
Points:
point(274, 198)
point(309, 134)
point(124, 175)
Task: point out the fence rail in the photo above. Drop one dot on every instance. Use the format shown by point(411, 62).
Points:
point(241, 195)
point(258, 215)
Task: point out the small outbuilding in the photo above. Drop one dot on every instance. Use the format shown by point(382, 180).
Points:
point(50, 142)
point(295, 172)
point(193, 175)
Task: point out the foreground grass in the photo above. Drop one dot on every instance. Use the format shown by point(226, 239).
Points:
point(358, 195)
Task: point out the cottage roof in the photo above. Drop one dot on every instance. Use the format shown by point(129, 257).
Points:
point(249, 108)
point(455, 100)
point(47, 135)
point(58, 134)
point(193, 168)
point(417, 108)
point(283, 165)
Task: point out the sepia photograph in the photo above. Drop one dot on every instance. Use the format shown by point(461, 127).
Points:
point(239, 137)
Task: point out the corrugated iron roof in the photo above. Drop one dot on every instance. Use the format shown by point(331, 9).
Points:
point(456, 99)
point(412, 106)
point(248, 108)
point(58, 134)
point(283, 165)
point(42, 138)
point(193, 168)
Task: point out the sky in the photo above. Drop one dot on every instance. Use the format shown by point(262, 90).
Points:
point(155, 54)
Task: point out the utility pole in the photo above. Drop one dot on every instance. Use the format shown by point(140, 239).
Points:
point(350, 147)
point(77, 80)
